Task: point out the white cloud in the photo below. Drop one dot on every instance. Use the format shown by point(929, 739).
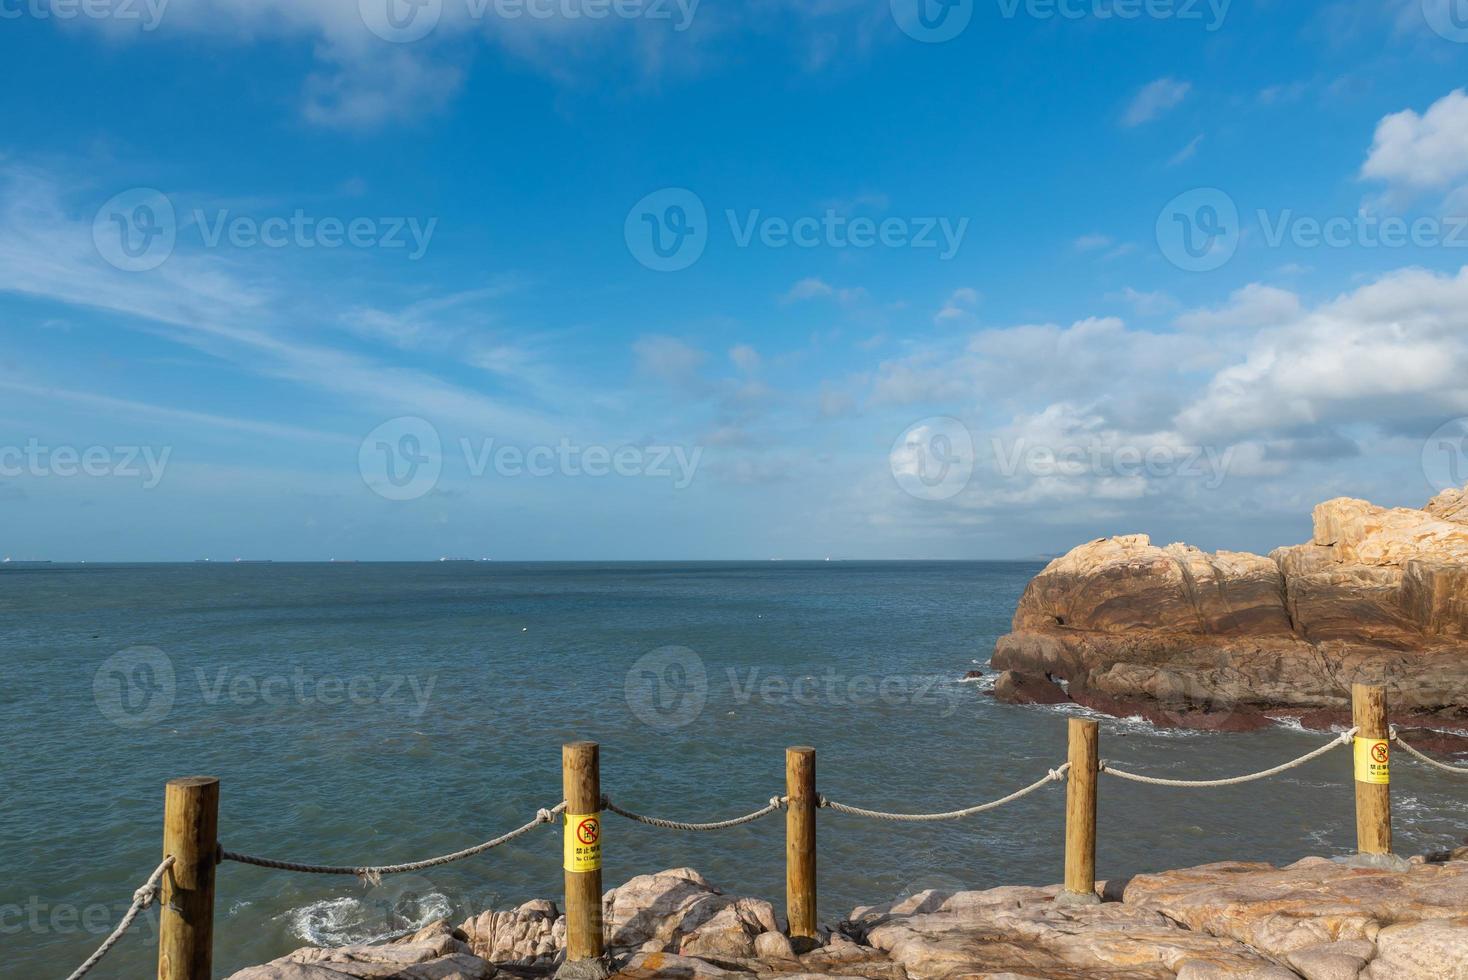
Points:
point(1155, 100)
point(1146, 303)
point(668, 358)
point(1186, 153)
point(1251, 307)
point(813, 288)
point(1092, 242)
point(1392, 351)
point(1412, 153)
point(214, 306)
point(960, 306)
point(745, 357)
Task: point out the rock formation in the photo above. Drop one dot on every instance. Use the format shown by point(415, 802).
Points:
point(1221, 640)
point(1316, 920)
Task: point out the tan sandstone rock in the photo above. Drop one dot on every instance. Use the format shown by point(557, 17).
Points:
point(678, 911)
point(533, 933)
point(1214, 640)
point(434, 953)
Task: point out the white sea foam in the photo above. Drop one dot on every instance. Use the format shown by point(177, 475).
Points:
point(376, 917)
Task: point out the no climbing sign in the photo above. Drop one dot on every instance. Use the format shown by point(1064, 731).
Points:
point(583, 842)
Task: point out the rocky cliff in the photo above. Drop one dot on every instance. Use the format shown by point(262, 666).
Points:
point(1225, 640)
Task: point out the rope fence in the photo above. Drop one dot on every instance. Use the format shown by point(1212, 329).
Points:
point(372, 875)
point(1054, 776)
point(1455, 770)
point(1344, 738)
point(184, 883)
point(776, 803)
point(142, 898)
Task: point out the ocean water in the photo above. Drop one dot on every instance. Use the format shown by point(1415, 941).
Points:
point(382, 713)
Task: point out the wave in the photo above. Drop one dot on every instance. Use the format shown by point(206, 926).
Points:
point(374, 918)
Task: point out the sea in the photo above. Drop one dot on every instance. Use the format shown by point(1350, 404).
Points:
point(382, 713)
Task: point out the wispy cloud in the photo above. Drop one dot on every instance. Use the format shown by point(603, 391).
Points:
point(1155, 100)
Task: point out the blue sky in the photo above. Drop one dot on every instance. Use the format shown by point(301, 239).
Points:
point(723, 280)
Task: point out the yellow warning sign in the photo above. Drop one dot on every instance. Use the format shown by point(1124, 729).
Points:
point(583, 842)
point(1373, 760)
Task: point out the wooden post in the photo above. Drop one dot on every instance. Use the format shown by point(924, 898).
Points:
point(186, 901)
point(1080, 809)
point(1372, 750)
point(581, 782)
point(800, 841)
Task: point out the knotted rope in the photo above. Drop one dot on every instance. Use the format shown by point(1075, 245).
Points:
point(1343, 739)
point(142, 898)
point(372, 875)
point(1053, 776)
point(1455, 770)
point(776, 803)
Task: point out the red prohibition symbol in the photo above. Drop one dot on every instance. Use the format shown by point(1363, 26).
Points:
point(588, 831)
point(1379, 752)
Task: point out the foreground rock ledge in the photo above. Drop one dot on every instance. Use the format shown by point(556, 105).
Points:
point(1224, 640)
point(1314, 919)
